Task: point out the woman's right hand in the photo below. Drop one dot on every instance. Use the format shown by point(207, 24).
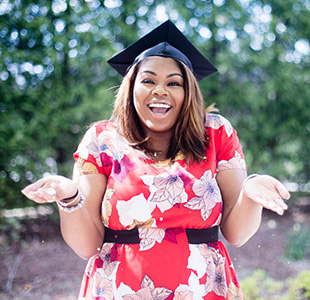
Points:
point(50, 189)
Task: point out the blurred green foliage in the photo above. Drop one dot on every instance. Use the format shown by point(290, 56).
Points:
point(298, 241)
point(54, 79)
point(300, 286)
point(260, 286)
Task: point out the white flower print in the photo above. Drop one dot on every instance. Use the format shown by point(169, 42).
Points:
point(193, 291)
point(90, 265)
point(237, 162)
point(216, 281)
point(109, 264)
point(90, 145)
point(169, 188)
point(234, 292)
point(148, 291)
point(205, 259)
point(183, 295)
point(216, 277)
point(149, 236)
point(166, 190)
point(208, 194)
point(106, 207)
point(113, 145)
point(216, 121)
point(196, 261)
point(102, 286)
point(123, 290)
point(137, 208)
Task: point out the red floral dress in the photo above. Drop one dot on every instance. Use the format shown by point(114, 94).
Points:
point(161, 199)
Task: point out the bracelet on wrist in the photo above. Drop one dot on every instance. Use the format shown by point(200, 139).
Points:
point(244, 183)
point(66, 203)
point(64, 206)
point(73, 197)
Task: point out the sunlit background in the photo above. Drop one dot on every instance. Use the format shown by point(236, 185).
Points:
point(55, 82)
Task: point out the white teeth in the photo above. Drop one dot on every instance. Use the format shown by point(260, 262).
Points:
point(160, 105)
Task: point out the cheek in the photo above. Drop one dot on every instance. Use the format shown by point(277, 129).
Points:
point(180, 101)
point(135, 99)
point(138, 94)
point(138, 101)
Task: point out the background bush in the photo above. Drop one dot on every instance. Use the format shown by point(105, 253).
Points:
point(54, 79)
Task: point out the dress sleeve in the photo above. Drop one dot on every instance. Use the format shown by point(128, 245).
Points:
point(229, 150)
point(87, 156)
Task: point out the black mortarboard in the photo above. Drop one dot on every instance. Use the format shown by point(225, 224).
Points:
point(168, 41)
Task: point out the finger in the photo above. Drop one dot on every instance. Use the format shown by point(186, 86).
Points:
point(281, 203)
point(278, 206)
point(282, 190)
point(274, 207)
point(34, 186)
point(35, 196)
point(48, 193)
point(279, 211)
point(269, 204)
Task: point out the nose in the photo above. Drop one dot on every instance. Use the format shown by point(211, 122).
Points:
point(160, 90)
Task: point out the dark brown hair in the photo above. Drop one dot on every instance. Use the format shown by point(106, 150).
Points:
point(189, 136)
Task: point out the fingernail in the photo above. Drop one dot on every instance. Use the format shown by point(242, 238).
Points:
point(280, 211)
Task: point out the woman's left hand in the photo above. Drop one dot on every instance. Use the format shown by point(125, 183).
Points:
point(267, 191)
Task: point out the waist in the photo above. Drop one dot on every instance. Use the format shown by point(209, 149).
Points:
point(194, 236)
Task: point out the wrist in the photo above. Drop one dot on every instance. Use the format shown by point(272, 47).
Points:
point(244, 185)
point(69, 206)
point(69, 202)
point(71, 198)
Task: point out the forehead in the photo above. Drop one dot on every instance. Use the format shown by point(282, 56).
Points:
point(159, 63)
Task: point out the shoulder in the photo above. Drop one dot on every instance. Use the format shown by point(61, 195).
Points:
point(100, 127)
point(106, 135)
point(104, 125)
point(216, 121)
point(97, 130)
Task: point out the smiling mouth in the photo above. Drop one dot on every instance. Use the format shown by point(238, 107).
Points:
point(159, 108)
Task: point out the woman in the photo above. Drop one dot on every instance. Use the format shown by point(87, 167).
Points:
point(152, 186)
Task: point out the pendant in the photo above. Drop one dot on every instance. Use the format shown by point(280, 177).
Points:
point(155, 154)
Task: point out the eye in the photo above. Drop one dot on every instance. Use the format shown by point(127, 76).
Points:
point(147, 81)
point(174, 83)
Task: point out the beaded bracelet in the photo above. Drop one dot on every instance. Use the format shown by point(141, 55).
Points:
point(72, 208)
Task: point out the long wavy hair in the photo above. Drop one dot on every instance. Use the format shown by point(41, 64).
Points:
point(190, 136)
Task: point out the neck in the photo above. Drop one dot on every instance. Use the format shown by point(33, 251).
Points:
point(158, 147)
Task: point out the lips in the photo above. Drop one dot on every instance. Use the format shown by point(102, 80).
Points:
point(159, 108)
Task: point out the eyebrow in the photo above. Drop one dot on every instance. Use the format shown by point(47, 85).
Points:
point(153, 73)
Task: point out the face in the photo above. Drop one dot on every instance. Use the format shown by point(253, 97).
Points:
point(158, 94)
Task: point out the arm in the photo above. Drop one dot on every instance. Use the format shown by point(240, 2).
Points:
point(82, 229)
point(243, 201)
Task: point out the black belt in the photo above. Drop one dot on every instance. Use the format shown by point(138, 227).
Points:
point(194, 236)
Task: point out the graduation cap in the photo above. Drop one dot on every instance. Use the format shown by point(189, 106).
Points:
point(168, 41)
